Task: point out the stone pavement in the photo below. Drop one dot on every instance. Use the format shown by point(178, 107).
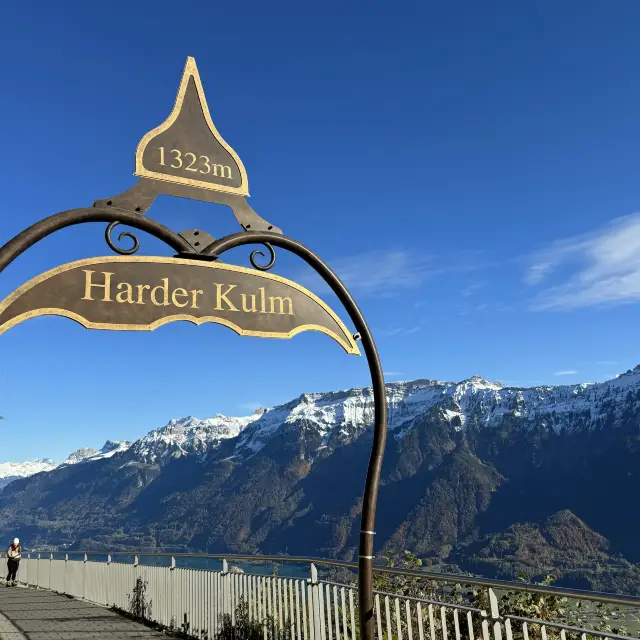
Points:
point(28, 614)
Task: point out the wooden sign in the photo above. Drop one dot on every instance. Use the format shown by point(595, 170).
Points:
point(141, 293)
point(187, 148)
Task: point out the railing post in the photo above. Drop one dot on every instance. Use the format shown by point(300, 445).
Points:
point(38, 573)
point(108, 579)
point(495, 615)
point(50, 569)
point(172, 591)
point(84, 576)
point(226, 586)
point(314, 605)
point(66, 564)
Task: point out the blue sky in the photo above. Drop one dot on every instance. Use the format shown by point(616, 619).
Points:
point(469, 169)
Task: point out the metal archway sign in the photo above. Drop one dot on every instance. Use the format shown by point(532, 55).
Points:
point(186, 157)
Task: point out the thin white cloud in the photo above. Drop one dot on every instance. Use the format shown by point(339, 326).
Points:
point(387, 332)
point(607, 363)
point(567, 372)
point(393, 374)
point(387, 273)
point(604, 268)
point(471, 288)
point(408, 332)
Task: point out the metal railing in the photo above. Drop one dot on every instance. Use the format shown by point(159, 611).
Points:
point(206, 603)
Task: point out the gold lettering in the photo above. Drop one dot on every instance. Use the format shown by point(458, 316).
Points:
point(194, 297)
point(262, 307)
point(178, 158)
point(126, 295)
point(165, 290)
point(179, 292)
point(244, 303)
point(223, 296)
point(141, 288)
point(207, 166)
point(272, 299)
point(190, 160)
point(193, 155)
point(223, 169)
point(106, 286)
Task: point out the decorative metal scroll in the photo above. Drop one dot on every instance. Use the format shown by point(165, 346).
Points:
point(141, 293)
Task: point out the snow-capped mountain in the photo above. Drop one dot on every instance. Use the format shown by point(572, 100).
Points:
point(10, 471)
point(181, 436)
point(470, 468)
point(184, 436)
point(339, 417)
point(109, 449)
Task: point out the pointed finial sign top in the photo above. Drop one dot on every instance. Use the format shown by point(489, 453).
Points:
point(187, 148)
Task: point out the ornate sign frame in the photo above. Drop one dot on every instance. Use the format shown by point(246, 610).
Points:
point(196, 248)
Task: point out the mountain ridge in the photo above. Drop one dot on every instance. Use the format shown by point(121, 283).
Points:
point(184, 436)
point(476, 475)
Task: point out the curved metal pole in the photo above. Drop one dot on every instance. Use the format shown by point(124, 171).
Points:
point(36, 232)
point(370, 495)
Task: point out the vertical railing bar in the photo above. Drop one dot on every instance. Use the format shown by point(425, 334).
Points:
point(508, 631)
point(420, 629)
point(456, 623)
point(320, 609)
point(285, 601)
point(268, 607)
point(336, 613)
point(378, 615)
point(277, 601)
point(470, 625)
point(343, 605)
point(443, 621)
point(398, 621)
point(297, 589)
point(254, 598)
point(432, 626)
point(388, 617)
point(265, 593)
point(303, 604)
point(327, 590)
point(293, 623)
point(376, 606)
point(277, 616)
point(408, 614)
point(353, 615)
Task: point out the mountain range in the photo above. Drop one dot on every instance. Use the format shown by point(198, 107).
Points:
point(477, 476)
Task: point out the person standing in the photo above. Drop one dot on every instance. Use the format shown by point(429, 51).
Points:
point(14, 553)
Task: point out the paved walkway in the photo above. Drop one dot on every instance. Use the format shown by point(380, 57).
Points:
point(28, 614)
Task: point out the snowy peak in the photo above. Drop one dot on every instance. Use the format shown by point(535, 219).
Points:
point(109, 449)
point(10, 471)
point(80, 456)
point(24, 469)
point(188, 435)
point(320, 421)
point(341, 416)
